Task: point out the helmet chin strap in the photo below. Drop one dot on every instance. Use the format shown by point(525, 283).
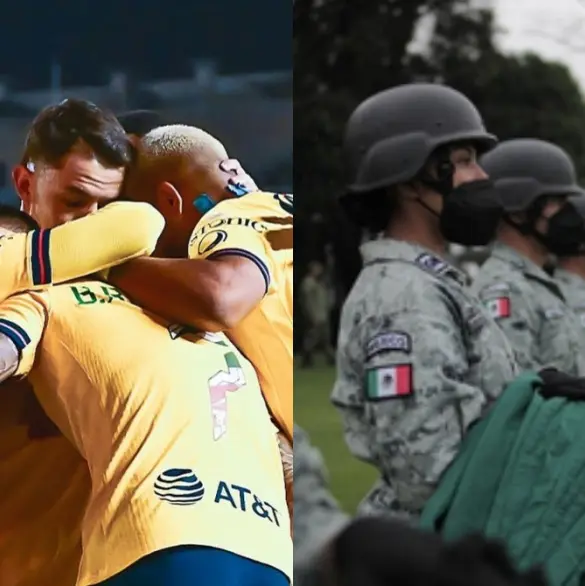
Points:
point(527, 228)
point(427, 207)
point(442, 186)
point(204, 202)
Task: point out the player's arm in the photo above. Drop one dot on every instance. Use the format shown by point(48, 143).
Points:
point(119, 232)
point(23, 319)
point(214, 290)
point(9, 358)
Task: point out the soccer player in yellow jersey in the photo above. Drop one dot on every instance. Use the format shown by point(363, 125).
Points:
point(184, 463)
point(39, 522)
point(240, 272)
point(38, 258)
point(73, 163)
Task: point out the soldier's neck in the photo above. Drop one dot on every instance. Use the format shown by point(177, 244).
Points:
point(573, 264)
point(526, 246)
point(417, 234)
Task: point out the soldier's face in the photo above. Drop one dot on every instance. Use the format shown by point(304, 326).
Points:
point(466, 167)
point(552, 206)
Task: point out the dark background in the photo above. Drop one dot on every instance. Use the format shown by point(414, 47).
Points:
point(223, 65)
point(151, 38)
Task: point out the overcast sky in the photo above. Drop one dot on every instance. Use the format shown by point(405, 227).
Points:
point(553, 28)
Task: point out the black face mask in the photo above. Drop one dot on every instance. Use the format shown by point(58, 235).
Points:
point(566, 232)
point(471, 213)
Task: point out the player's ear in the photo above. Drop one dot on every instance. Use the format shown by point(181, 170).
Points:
point(22, 180)
point(168, 200)
point(134, 140)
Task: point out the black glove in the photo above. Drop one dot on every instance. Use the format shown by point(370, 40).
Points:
point(559, 384)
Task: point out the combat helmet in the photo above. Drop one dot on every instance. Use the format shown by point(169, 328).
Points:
point(391, 135)
point(526, 169)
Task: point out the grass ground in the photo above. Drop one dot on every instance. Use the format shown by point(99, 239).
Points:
point(350, 478)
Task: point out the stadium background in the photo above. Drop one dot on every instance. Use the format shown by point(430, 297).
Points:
point(342, 54)
point(225, 66)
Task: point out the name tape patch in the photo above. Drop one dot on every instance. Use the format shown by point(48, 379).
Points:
point(553, 312)
point(388, 342)
point(497, 287)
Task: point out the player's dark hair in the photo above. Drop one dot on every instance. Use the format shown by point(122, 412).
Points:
point(141, 122)
point(14, 218)
point(59, 128)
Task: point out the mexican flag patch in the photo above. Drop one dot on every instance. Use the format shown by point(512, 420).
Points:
point(388, 382)
point(499, 308)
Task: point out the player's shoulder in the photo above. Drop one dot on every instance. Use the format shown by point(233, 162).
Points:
point(256, 205)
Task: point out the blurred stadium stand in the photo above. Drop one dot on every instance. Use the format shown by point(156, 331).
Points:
point(250, 113)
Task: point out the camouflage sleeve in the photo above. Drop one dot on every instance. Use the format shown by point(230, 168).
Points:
point(348, 394)
point(415, 405)
point(317, 515)
point(514, 310)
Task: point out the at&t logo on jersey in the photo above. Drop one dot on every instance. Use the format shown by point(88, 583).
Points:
point(179, 486)
point(242, 498)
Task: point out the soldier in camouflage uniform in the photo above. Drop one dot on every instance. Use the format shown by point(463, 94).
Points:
point(317, 517)
point(534, 178)
point(419, 359)
point(570, 269)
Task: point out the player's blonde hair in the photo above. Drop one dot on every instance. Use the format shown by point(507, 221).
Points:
point(180, 140)
point(168, 150)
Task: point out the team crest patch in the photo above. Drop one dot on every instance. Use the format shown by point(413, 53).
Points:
point(388, 342)
point(499, 308)
point(389, 382)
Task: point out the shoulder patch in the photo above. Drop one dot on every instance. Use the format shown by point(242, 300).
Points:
point(441, 267)
point(432, 263)
point(499, 308)
point(553, 312)
point(496, 287)
point(389, 382)
point(389, 341)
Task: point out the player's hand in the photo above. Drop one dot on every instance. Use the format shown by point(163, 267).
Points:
point(237, 175)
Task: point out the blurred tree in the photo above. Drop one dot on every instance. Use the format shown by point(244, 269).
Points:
point(518, 96)
point(343, 51)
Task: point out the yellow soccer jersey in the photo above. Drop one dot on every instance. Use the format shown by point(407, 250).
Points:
point(259, 226)
point(45, 487)
point(179, 443)
point(117, 233)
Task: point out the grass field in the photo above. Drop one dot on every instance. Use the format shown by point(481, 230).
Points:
point(350, 478)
